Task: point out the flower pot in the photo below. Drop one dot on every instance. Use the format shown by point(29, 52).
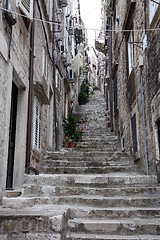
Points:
point(73, 144)
point(66, 144)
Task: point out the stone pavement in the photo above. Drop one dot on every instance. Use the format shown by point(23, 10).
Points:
point(92, 192)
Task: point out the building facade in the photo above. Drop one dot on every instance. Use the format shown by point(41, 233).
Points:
point(39, 41)
point(134, 70)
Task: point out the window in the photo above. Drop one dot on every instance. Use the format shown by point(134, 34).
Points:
point(130, 52)
point(115, 93)
point(26, 6)
point(153, 7)
point(158, 132)
point(44, 64)
point(37, 125)
point(134, 133)
point(58, 82)
point(71, 74)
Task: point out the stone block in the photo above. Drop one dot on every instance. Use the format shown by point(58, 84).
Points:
point(57, 223)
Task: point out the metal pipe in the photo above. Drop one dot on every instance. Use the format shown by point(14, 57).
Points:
point(30, 94)
point(144, 121)
point(54, 80)
point(110, 74)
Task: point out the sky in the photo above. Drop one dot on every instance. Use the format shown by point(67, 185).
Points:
point(91, 16)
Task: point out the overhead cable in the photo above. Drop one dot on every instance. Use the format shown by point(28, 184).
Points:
point(93, 29)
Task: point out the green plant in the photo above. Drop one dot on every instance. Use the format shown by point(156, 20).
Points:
point(83, 95)
point(72, 132)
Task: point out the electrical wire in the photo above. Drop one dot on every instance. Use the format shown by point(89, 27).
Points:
point(92, 29)
point(91, 11)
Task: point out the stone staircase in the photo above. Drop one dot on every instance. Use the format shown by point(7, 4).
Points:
point(92, 192)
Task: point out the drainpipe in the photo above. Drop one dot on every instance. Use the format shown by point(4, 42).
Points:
point(30, 99)
point(143, 115)
point(110, 73)
point(54, 80)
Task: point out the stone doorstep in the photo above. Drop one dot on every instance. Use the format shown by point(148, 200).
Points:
point(109, 226)
point(13, 193)
point(87, 236)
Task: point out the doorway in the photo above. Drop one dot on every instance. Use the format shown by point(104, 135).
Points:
point(12, 137)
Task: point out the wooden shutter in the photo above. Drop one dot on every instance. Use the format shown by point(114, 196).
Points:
point(26, 6)
point(37, 125)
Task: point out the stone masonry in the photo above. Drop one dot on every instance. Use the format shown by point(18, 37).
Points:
point(92, 192)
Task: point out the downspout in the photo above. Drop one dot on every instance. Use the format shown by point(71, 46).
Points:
point(110, 73)
point(54, 80)
point(143, 99)
point(30, 98)
point(144, 118)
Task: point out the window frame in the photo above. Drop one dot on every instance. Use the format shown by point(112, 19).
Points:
point(153, 6)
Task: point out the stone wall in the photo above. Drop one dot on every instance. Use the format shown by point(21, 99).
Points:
point(129, 89)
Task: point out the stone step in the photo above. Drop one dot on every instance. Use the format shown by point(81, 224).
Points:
point(114, 213)
point(97, 148)
point(92, 180)
point(123, 227)
point(18, 202)
point(87, 236)
point(69, 153)
point(31, 236)
point(43, 191)
point(41, 222)
point(99, 139)
point(109, 201)
point(83, 200)
point(86, 170)
point(87, 162)
point(100, 133)
point(98, 143)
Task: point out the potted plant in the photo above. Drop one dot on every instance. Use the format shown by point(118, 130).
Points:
point(72, 132)
point(66, 141)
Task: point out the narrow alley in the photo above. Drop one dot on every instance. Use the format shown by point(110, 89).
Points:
point(79, 120)
point(92, 192)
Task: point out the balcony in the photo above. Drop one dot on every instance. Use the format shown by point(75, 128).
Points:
point(41, 89)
